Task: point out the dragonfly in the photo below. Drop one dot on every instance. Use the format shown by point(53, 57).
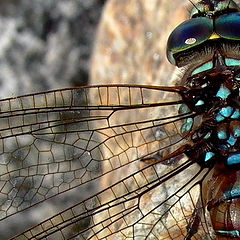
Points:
point(169, 170)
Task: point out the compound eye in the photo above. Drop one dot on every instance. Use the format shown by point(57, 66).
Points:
point(187, 35)
point(228, 26)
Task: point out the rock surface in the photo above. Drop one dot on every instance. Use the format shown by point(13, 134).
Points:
point(45, 44)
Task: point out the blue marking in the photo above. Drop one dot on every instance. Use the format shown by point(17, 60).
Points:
point(226, 111)
point(237, 132)
point(219, 118)
point(232, 62)
point(204, 67)
point(223, 92)
point(183, 109)
point(189, 120)
point(234, 233)
point(223, 147)
point(234, 159)
point(232, 140)
point(187, 125)
point(234, 192)
point(236, 114)
point(208, 156)
point(222, 135)
point(199, 103)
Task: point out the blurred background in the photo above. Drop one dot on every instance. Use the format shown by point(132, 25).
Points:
point(45, 44)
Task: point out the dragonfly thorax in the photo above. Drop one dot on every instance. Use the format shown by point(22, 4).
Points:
point(214, 95)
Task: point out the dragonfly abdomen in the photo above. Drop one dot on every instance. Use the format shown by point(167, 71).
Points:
point(223, 202)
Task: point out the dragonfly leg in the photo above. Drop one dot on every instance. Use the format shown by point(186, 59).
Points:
point(193, 225)
point(158, 158)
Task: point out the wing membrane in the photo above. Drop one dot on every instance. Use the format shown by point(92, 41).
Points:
point(57, 142)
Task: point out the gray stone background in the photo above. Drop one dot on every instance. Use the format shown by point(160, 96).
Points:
point(45, 44)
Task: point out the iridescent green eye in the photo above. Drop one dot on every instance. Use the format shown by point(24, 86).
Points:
point(228, 26)
point(187, 35)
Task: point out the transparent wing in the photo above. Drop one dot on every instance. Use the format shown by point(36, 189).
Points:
point(125, 142)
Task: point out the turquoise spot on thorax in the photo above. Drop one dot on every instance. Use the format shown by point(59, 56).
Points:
point(234, 159)
point(199, 103)
point(222, 135)
point(204, 67)
point(232, 140)
point(187, 125)
point(219, 118)
point(223, 92)
point(234, 192)
point(236, 114)
point(183, 109)
point(234, 233)
point(232, 62)
point(237, 132)
point(226, 111)
point(208, 156)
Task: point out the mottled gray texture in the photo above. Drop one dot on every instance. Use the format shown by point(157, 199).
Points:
point(45, 44)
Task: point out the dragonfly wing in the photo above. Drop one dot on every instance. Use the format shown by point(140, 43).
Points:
point(54, 143)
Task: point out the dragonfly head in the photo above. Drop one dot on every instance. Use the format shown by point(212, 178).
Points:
point(211, 21)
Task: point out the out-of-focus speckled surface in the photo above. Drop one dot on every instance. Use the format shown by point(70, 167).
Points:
point(45, 44)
